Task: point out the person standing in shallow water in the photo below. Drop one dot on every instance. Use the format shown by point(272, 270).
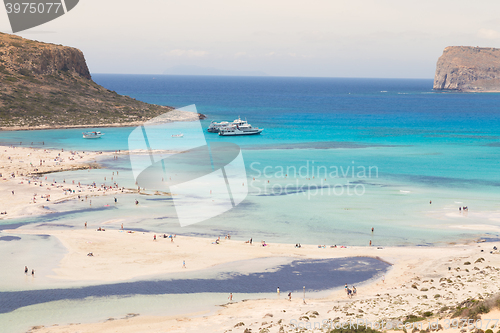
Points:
point(32, 272)
point(25, 269)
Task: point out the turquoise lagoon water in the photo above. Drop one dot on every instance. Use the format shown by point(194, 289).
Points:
point(420, 145)
point(406, 144)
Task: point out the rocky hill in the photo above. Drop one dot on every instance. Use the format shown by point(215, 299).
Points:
point(470, 69)
point(47, 85)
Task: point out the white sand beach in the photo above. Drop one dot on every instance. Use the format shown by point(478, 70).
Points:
point(420, 279)
point(24, 192)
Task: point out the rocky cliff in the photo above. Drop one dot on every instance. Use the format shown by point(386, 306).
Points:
point(47, 85)
point(469, 69)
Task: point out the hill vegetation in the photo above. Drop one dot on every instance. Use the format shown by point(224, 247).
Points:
point(48, 86)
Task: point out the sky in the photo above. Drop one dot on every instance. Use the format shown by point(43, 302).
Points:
point(315, 38)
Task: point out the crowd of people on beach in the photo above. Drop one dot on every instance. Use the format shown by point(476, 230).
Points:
point(36, 181)
point(171, 236)
point(32, 176)
point(226, 237)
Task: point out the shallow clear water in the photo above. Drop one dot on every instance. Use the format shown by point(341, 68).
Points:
point(100, 309)
point(406, 144)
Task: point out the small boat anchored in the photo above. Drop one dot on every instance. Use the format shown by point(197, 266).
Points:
point(92, 135)
point(177, 135)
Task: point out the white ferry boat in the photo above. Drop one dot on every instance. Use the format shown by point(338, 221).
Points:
point(243, 129)
point(215, 127)
point(92, 135)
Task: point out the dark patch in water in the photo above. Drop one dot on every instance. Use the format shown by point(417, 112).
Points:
point(320, 274)
point(319, 145)
point(11, 226)
point(493, 144)
point(53, 225)
point(9, 238)
point(436, 181)
point(44, 236)
point(287, 190)
point(464, 136)
point(138, 229)
point(213, 235)
point(489, 239)
point(245, 204)
point(60, 215)
point(160, 199)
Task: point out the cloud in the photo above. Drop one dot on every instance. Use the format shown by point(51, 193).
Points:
point(240, 54)
point(488, 34)
point(295, 55)
point(187, 53)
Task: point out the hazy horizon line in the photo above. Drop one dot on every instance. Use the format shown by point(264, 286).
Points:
point(272, 76)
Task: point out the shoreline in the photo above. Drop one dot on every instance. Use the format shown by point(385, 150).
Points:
point(49, 127)
point(174, 116)
point(467, 91)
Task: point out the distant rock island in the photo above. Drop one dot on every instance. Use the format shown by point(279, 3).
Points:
point(468, 69)
point(49, 86)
